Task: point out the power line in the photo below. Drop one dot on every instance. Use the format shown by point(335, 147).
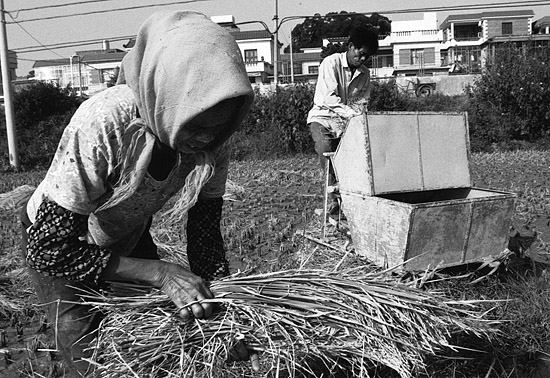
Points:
point(510, 4)
point(26, 60)
point(42, 47)
point(513, 4)
point(106, 11)
point(33, 37)
point(57, 6)
point(62, 45)
point(411, 10)
point(49, 49)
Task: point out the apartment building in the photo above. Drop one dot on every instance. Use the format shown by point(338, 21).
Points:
point(87, 71)
point(470, 39)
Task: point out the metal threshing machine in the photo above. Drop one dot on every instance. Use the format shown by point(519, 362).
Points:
point(406, 190)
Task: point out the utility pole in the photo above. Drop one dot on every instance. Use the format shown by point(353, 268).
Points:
point(276, 52)
point(6, 85)
point(79, 77)
point(291, 59)
point(71, 82)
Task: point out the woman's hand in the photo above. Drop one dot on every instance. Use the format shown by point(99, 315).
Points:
point(183, 288)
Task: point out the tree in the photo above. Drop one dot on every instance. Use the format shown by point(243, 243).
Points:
point(313, 30)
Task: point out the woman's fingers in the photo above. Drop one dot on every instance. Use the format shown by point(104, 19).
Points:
point(199, 309)
point(206, 306)
point(185, 314)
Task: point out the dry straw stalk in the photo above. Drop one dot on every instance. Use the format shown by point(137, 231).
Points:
point(298, 320)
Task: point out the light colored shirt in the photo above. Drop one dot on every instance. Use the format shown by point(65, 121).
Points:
point(339, 95)
point(84, 171)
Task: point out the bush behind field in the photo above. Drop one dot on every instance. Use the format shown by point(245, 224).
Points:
point(42, 111)
point(277, 123)
point(509, 105)
point(275, 126)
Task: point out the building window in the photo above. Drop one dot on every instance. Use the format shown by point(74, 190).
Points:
point(507, 28)
point(468, 59)
point(387, 61)
point(107, 74)
point(297, 68)
point(250, 56)
point(313, 69)
point(417, 56)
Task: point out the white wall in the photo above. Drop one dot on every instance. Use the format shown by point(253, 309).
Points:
point(416, 34)
point(263, 47)
point(427, 22)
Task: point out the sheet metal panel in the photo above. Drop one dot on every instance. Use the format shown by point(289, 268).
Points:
point(352, 159)
point(444, 146)
point(403, 151)
point(379, 228)
point(415, 236)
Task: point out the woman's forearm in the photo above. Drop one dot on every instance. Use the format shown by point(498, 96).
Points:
point(131, 269)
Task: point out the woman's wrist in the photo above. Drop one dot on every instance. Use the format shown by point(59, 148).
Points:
point(152, 272)
point(158, 273)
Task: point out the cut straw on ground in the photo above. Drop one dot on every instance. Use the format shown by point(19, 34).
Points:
point(299, 321)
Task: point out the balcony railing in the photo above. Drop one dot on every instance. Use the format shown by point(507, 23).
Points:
point(258, 66)
point(428, 32)
point(467, 37)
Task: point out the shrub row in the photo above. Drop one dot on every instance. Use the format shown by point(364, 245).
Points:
point(41, 111)
point(276, 124)
point(509, 105)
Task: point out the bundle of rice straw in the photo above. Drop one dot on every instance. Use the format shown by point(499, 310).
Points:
point(297, 320)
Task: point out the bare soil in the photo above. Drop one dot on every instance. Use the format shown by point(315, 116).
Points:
point(272, 201)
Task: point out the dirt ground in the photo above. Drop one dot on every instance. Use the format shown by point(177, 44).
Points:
point(260, 222)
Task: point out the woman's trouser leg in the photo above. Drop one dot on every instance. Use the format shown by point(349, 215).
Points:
point(73, 323)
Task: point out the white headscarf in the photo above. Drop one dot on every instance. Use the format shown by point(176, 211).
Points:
point(182, 65)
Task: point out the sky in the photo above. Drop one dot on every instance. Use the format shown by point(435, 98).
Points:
point(29, 24)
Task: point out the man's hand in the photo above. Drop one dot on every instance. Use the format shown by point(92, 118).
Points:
point(183, 288)
point(239, 352)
